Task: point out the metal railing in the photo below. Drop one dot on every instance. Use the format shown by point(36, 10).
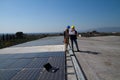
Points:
point(79, 72)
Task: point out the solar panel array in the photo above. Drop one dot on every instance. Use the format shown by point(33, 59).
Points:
point(29, 66)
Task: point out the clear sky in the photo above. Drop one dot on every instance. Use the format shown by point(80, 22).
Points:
point(55, 15)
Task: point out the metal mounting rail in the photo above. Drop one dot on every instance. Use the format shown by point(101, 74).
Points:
point(79, 72)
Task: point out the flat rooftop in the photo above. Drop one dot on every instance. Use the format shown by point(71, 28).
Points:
point(99, 57)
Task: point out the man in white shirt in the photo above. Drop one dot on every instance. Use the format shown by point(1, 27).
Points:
point(73, 37)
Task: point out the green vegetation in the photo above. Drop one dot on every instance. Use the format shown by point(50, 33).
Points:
point(7, 40)
point(96, 33)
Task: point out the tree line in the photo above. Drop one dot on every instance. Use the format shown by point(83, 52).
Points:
point(7, 40)
point(95, 33)
point(7, 37)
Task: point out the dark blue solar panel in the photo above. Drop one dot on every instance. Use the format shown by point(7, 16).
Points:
point(7, 74)
point(29, 66)
point(20, 63)
point(59, 75)
point(7, 63)
point(27, 74)
point(37, 63)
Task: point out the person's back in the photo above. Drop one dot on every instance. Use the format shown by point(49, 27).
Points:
point(66, 34)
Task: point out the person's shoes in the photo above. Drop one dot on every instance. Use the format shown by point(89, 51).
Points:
point(78, 50)
point(72, 50)
point(66, 51)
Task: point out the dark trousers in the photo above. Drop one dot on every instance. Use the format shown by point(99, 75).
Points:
point(75, 41)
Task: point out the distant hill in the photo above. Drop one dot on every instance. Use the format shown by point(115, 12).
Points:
point(104, 29)
point(109, 29)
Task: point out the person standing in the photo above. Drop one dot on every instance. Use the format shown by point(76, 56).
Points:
point(73, 37)
point(66, 37)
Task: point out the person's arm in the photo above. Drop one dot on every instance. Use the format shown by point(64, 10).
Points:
point(76, 33)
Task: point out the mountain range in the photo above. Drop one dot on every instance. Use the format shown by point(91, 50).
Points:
point(104, 29)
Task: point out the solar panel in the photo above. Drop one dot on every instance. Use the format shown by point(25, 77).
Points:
point(30, 66)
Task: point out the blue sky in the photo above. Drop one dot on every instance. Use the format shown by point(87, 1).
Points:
point(55, 15)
